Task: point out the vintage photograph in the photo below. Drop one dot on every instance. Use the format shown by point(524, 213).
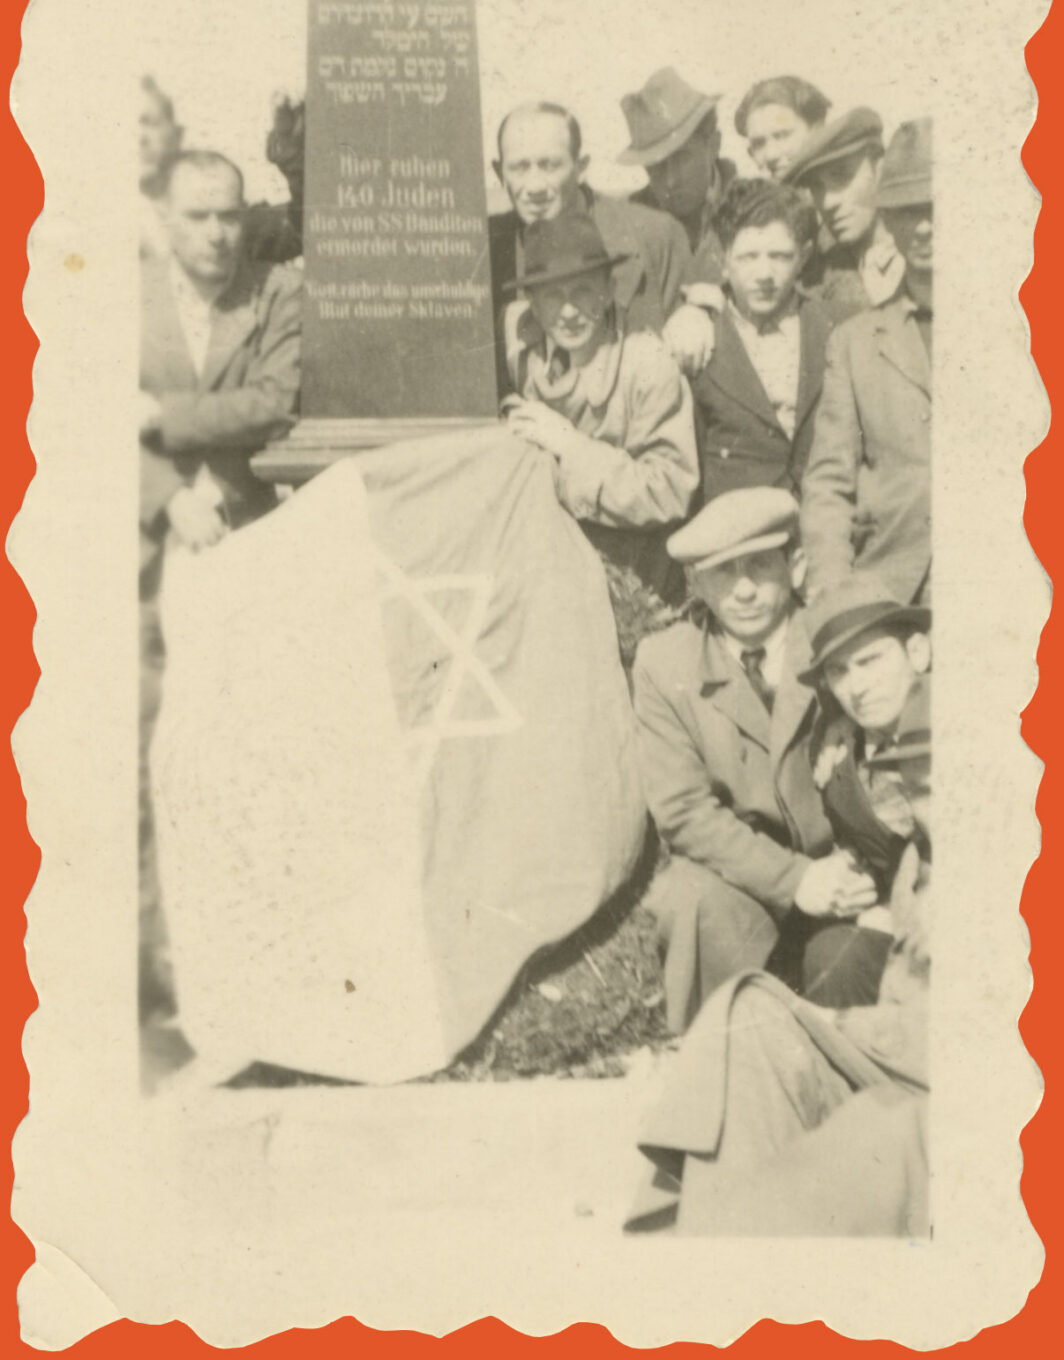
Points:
point(536, 631)
point(509, 795)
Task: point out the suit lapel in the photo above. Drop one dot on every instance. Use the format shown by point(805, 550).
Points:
point(813, 327)
point(619, 240)
point(730, 369)
point(900, 345)
point(728, 689)
point(794, 700)
point(235, 318)
point(166, 364)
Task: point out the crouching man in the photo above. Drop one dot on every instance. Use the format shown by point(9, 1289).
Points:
point(724, 723)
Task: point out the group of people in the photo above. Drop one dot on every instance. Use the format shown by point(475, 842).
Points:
point(732, 378)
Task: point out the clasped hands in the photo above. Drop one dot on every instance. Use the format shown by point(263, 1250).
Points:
point(835, 886)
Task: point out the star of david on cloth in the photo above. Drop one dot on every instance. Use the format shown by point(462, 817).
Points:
point(423, 739)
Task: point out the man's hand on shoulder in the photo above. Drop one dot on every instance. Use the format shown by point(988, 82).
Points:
point(833, 886)
point(690, 335)
point(196, 524)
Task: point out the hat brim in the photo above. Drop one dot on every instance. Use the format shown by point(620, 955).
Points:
point(560, 275)
point(762, 543)
point(797, 173)
point(672, 141)
point(917, 615)
point(906, 193)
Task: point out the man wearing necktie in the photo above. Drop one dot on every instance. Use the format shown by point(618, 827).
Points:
point(723, 726)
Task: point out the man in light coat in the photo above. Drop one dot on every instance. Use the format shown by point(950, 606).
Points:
point(866, 495)
point(723, 726)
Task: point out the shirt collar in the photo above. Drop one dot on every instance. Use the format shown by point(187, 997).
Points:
point(774, 645)
point(783, 323)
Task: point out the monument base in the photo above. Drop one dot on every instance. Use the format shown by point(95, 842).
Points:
point(314, 444)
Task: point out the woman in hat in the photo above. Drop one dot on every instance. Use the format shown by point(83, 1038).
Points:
point(611, 408)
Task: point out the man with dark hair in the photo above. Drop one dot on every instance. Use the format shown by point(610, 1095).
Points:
point(219, 375)
point(220, 338)
point(271, 231)
point(857, 264)
point(756, 398)
point(776, 116)
point(541, 165)
point(866, 495)
point(675, 138)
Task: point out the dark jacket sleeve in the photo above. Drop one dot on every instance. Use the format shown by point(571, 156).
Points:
point(263, 406)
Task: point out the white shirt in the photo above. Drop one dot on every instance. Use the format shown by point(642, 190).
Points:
point(775, 646)
point(882, 266)
point(195, 314)
point(775, 353)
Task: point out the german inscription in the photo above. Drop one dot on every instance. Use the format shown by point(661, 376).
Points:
point(398, 312)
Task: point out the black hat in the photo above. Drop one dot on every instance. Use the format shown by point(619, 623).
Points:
point(849, 610)
point(561, 248)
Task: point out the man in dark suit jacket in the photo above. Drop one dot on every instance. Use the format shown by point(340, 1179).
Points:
point(723, 725)
point(219, 375)
point(756, 399)
point(541, 165)
point(219, 371)
point(866, 497)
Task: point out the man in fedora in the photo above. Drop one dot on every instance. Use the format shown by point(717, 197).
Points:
point(857, 264)
point(541, 164)
point(723, 723)
point(609, 405)
point(675, 138)
point(866, 494)
point(871, 761)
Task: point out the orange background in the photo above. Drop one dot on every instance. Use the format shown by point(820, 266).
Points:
point(1036, 1331)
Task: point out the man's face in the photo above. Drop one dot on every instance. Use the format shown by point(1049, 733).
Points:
point(761, 266)
point(774, 135)
point(681, 181)
point(749, 595)
point(873, 676)
point(845, 196)
point(160, 137)
point(205, 220)
point(537, 167)
point(911, 228)
point(573, 311)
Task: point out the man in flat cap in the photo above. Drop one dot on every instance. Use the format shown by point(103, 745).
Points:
point(866, 494)
point(541, 165)
point(723, 723)
point(857, 264)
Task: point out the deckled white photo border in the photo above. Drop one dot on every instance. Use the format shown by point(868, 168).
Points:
point(102, 1217)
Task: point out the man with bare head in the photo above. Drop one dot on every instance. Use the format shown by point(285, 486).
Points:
point(541, 164)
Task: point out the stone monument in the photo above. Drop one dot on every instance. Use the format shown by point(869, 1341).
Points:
point(397, 314)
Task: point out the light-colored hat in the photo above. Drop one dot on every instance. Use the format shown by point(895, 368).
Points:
point(905, 180)
point(752, 519)
point(857, 130)
point(662, 116)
